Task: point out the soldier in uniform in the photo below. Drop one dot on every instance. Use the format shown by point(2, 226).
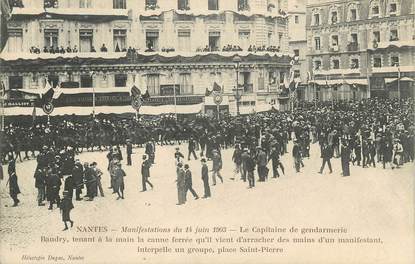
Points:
point(78, 179)
point(14, 189)
point(129, 152)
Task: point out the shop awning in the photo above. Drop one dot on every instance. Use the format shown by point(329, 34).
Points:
point(403, 79)
point(340, 81)
point(70, 91)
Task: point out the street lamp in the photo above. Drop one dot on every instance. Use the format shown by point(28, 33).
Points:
point(237, 60)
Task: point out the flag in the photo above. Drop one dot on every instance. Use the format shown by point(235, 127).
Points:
point(57, 91)
point(47, 85)
point(135, 92)
point(208, 93)
point(48, 96)
point(3, 89)
point(216, 87)
point(146, 95)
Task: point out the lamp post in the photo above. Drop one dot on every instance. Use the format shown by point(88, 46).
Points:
point(237, 60)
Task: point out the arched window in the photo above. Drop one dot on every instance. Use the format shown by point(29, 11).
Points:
point(374, 9)
point(352, 12)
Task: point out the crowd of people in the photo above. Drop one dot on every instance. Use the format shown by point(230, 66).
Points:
point(367, 133)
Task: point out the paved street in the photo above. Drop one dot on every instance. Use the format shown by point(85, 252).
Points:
point(379, 200)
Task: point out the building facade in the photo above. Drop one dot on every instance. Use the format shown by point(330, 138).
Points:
point(298, 45)
point(154, 44)
point(358, 49)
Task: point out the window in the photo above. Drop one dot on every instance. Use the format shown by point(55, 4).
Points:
point(85, 40)
point(120, 80)
point(53, 80)
point(15, 41)
point(183, 5)
point(317, 65)
point(377, 62)
point(297, 53)
point(279, 40)
point(317, 43)
point(297, 74)
point(395, 61)
point(151, 4)
point(214, 40)
point(15, 82)
point(244, 38)
point(335, 64)
point(374, 10)
point(50, 4)
point(353, 38)
point(120, 39)
point(152, 40)
point(184, 39)
point(243, 5)
point(185, 82)
point(51, 38)
point(316, 19)
point(392, 8)
point(334, 17)
point(376, 36)
point(334, 41)
point(296, 19)
point(119, 4)
point(272, 78)
point(85, 3)
point(354, 64)
point(153, 84)
point(269, 38)
point(394, 35)
point(213, 4)
point(353, 14)
point(86, 80)
point(282, 77)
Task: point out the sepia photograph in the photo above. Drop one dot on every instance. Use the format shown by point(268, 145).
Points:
point(207, 131)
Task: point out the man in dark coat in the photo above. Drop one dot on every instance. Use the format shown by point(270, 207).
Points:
point(205, 179)
point(216, 166)
point(53, 184)
point(345, 158)
point(66, 206)
point(250, 168)
point(262, 164)
point(40, 184)
point(78, 178)
point(244, 158)
point(297, 156)
point(181, 187)
point(326, 155)
point(69, 186)
point(145, 173)
point(188, 182)
point(90, 182)
point(14, 189)
point(275, 158)
point(237, 159)
point(191, 148)
point(129, 152)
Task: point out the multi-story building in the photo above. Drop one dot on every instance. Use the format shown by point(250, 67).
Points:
point(358, 49)
point(171, 48)
point(298, 44)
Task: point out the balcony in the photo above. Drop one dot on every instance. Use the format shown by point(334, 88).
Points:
point(352, 46)
point(247, 87)
point(334, 49)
